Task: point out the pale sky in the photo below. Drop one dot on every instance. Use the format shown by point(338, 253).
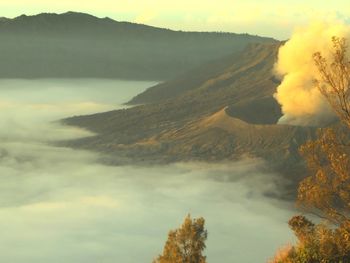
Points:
point(262, 17)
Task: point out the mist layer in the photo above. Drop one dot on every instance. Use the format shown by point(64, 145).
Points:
point(62, 205)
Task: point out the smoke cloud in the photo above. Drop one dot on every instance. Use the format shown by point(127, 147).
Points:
point(301, 101)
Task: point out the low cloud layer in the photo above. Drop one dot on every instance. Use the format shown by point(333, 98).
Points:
point(61, 205)
point(302, 103)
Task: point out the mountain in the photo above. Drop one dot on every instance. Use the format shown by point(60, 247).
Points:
point(219, 111)
point(225, 75)
point(81, 45)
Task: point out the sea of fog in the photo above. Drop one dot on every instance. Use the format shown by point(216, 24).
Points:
point(61, 205)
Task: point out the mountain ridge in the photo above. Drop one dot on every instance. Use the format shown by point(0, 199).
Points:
point(75, 45)
point(214, 71)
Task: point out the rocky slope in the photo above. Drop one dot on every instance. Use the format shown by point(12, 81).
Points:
point(226, 113)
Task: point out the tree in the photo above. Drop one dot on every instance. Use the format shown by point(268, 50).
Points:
point(334, 83)
point(185, 244)
point(326, 192)
point(316, 244)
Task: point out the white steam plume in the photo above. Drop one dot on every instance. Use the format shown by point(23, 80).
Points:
point(301, 101)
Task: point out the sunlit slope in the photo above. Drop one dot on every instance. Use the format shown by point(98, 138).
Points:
point(246, 84)
point(81, 45)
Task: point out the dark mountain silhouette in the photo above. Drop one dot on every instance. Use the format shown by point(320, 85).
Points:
point(81, 45)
